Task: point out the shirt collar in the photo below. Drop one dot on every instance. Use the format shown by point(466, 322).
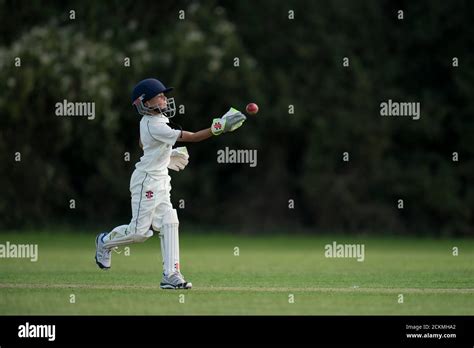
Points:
point(158, 118)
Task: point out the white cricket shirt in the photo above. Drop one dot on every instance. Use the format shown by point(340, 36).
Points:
point(158, 139)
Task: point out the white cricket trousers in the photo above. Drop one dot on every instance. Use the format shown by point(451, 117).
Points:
point(151, 209)
point(150, 201)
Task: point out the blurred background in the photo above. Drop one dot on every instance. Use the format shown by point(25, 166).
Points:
point(284, 64)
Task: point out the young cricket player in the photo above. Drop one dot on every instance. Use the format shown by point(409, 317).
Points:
point(150, 183)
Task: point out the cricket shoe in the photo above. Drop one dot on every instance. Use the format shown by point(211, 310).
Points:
point(175, 281)
point(103, 257)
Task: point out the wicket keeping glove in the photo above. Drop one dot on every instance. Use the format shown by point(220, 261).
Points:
point(179, 158)
point(232, 120)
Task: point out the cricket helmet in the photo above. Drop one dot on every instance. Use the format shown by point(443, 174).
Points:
point(148, 89)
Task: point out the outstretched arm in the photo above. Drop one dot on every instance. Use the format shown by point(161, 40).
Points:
point(228, 123)
point(191, 137)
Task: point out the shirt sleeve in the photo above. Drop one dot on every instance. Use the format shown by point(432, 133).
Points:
point(164, 133)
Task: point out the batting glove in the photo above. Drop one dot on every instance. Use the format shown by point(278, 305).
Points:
point(179, 158)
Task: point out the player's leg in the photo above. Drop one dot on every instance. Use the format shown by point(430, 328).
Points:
point(164, 205)
point(166, 221)
point(142, 189)
point(169, 237)
point(170, 231)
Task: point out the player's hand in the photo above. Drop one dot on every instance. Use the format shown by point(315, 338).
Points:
point(232, 120)
point(179, 158)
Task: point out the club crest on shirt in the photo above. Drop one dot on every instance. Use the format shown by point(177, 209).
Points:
point(149, 194)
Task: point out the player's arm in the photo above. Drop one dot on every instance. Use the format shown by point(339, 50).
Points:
point(194, 137)
point(227, 123)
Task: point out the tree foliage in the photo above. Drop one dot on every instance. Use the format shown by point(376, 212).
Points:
point(284, 64)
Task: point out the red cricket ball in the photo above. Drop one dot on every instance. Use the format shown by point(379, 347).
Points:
point(251, 108)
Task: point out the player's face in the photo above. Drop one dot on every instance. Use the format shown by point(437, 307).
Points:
point(159, 100)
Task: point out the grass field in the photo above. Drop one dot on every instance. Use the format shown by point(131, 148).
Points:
point(258, 281)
